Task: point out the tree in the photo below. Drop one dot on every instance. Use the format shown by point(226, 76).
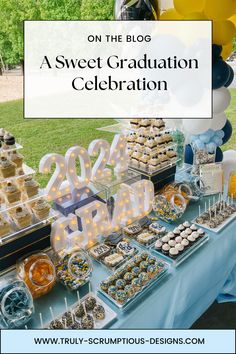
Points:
point(14, 12)
point(97, 9)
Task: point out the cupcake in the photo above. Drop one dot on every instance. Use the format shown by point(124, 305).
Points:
point(144, 278)
point(171, 234)
point(186, 224)
point(191, 239)
point(165, 248)
point(31, 186)
point(172, 243)
point(120, 283)
point(12, 193)
point(179, 247)
point(17, 159)
point(7, 168)
point(176, 231)
point(178, 239)
point(130, 291)
point(158, 245)
point(5, 227)
point(188, 231)
point(22, 217)
point(112, 291)
point(181, 227)
point(173, 252)
point(9, 141)
point(165, 239)
point(136, 284)
point(195, 235)
point(41, 209)
point(184, 234)
point(193, 227)
point(201, 232)
point(185, 242)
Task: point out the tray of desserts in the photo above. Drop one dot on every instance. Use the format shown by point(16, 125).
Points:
point(20, 174)
point(217, 217)
point(24, 218)
point(178, 245)
point(144, 232)
point(113, 251)
point(128, 283)
point(88, 313)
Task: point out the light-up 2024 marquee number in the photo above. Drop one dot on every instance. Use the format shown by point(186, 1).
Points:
point(65, 178)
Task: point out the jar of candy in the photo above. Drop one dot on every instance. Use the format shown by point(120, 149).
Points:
point(73, 269)
point(179, 140)
point(169, 210)
point(38, 272)
point(16, 303)
point(201, 157)
point(232, 184)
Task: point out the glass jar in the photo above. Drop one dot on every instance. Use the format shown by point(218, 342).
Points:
point(169, 210)
point(201, 157)
point(16, 303)
point(73, 269)
point(38, 272)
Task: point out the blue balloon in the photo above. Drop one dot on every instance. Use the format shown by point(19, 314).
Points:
point(231, 77)
point(217, 141)
point(228, 130)
point(220, 75)
point(211, 148)
point(188, 155)
point(194, 137)
point(220, 134)
point(219, 155)
point(210, 133)
point(199, 144)
point(205, 138)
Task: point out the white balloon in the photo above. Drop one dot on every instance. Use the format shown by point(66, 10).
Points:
point(221, 100)
point(218, 121)
point(196, 126)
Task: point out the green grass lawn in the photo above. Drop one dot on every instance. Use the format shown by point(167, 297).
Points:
point(40, 137)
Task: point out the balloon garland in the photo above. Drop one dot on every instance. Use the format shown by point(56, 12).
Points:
point(208, 134)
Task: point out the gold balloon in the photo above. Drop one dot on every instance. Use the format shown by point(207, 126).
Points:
point(195, 16)
point(223, 32)
point(233, 19)
point(220, 9)
point(227, 50)
point(171, 14)
point(185, 7)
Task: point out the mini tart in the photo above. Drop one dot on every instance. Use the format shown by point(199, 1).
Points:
point(17, 158)
point(30, 186)
point(7, 168)
point(41, 209)
point(12, 193)
point(22, 217)
point(5, 227)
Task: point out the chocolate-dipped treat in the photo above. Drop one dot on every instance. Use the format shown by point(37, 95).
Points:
point(68, 319)
point(79, 311)
point(99, 312)
point(90, 302)
point(9, 140)
point(56, 324)
point(87, 322)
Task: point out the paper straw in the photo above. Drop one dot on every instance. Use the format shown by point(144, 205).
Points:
point(78, 297)
point(199, 208)
point(205, 207)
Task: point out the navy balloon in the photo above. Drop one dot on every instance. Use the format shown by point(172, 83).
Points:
point(188, 158)
point(220, 75)
point(219, 155)
point(231, 77)
point(228, 130)
point(216, 52)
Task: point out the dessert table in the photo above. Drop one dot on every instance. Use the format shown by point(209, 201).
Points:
point(180, 299)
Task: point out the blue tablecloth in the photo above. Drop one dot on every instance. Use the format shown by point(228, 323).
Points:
point(181, 298)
